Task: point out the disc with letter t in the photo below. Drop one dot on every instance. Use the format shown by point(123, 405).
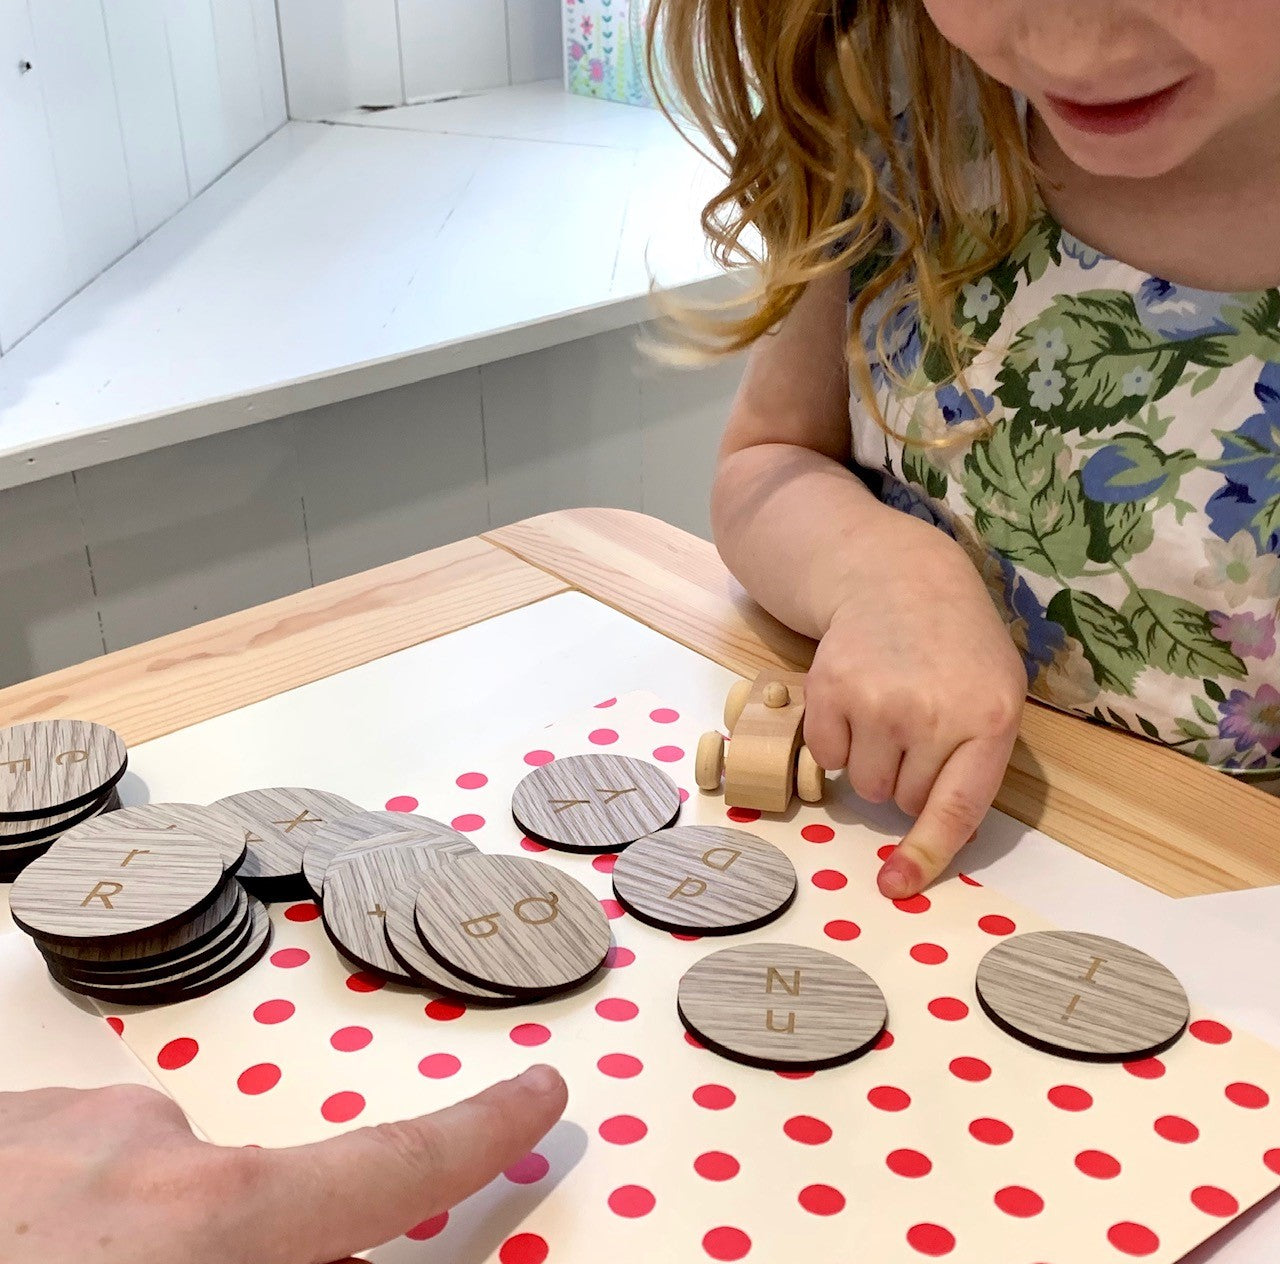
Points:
point(783, 1007)
point(704, 880)
point(1082, 996)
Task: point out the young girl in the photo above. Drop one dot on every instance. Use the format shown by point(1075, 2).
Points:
point(1042, 238)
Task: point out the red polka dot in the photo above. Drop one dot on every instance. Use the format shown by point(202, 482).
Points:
point(715, 1165)
point(439, 1066)
point(664, 715)
point(914, 904)
point(307, 912)
point(885, 1041)
point(821, 1200)
point(994, 924)
point(532, 844)
point(725, 1243)
point(177, 1053)
point(258, 1079)
point(608, 702)
point(807, 1130)
point(886, 1097)
point(1146, 1068)
point(428, 1229)
point(290, 958)
point(842, 930)
point(342, 1107)
point(1214, 1201)
point(612, 909)
point(620, 1066)
point(524, 1248)
point(1098, 1164)
point(817, 833)
point(1272, 1160)
point(365, 981)
point(604, 864)
point(472, 780)
point(684, 795)
point(887, 850)
point(116, 1025)
point(602, 737)
point(350, 1039)
point(1133, 1239)
point(829, 880)
point(624, 1130)
point(991, 1131)
point(631, 1201)
point(402, 803)
point(442, 1011)
point(714, 1096)
point(616, 958)
point(743, 816)
point(909, 1163)
point(974, 1070)
point(1175, 1128)
point(467, 822)
point(692, 1042)
point(668, 754)
point(616, 1010)
point(1017, 1200)
point(949, 1008)
point(793, 1075)
point(1068, 1097)
point(973, 882)
point(536, 758)
point(1250, 1096)
point(529, 1170)
point(1211, 1033)
point(530, 1034)
point(685, 939)
point(929, 954)
point(931, 1239)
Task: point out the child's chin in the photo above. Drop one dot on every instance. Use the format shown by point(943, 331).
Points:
point(1143, 155)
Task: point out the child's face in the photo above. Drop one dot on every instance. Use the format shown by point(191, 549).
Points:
point(1128, 87)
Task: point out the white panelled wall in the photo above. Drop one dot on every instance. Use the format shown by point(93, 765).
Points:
point(113, 115)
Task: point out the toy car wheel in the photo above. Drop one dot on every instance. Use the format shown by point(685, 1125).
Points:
point(734, 703)
point(811, 781)
point(709, 765)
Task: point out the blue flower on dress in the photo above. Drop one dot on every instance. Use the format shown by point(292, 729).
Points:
point(1086, 256)
point(980, 299)
point(956, 406)
point(1250, 463)
point(1178, 312)
point(1252, 719)
point(1044, 637)
point(908, 499)
point(1051, 346)
point(1138, 381)
point(902, 341)
point(1046, 388)
point(1114, 474)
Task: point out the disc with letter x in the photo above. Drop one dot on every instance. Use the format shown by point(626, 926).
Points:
point(704, 880)
point(1082, 996)
point(594, 803)
point(781, 1006)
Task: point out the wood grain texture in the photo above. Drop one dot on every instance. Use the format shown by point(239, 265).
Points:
point(782, 1006)
point(594, 803)
point(1142, 809)
point(51, 766)
point(512, 924)
point(1082, 996)
point(152, 689)
point(401, 929)
point(17, 851)
point(377, 827)
point(47, 828)
point(760, 767)
point(204, 821)
point(704, 880)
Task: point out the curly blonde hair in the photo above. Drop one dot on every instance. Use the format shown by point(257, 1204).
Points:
point(796, 99)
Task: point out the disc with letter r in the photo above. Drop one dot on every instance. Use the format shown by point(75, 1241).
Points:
point(704, 880)
point(1082, 996)
point(783, 1007)
point(189, 818)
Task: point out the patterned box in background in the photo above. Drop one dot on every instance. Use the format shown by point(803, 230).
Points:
point(604, 50)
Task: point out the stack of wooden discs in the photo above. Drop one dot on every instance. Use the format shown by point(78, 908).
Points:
point(54, 774)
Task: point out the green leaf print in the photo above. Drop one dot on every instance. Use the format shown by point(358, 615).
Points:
point(918, 469)
point(1204, 710)
point(1176, 636)
point(1148, 728)
point(1257, 323)
point(1109, 642)
point(1023, 506)
point(1118, 532)
point(1038, 249)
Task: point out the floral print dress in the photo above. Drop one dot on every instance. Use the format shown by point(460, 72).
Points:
point(1121, 499)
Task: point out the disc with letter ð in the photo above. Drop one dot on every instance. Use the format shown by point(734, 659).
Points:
point(48, 767)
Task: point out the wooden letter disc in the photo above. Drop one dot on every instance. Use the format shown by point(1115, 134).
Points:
point(52, 766)
point(370, 827)
point(190, 818)
point(401, 928)
point(782, 1006)
point(512, 924)
point(594, 803)
point(704, 880)
point(1082, 996)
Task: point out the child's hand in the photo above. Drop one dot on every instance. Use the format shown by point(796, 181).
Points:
point(918, 690)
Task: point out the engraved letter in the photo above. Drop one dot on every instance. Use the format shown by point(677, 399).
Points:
point(724, 857)
point(788, 1030)
point(17, 766)
point(481, 927)
point(552, 902)
point(137, 851)
point(692, 887)
point(103, 891)
point(71, 757)
point(1098, 963)
point(774, 974)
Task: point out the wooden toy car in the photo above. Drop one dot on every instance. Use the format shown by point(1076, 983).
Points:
point(767, 761)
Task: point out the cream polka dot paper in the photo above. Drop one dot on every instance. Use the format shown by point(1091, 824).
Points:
point(950, 1141)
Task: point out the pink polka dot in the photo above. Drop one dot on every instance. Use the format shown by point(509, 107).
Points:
point(1250, 1096)
point(1214, 1201)
point(624, 1130)
point(842, 930)
point(931, 1239)
point(290, 958)
point(1068, 1097)
point(744, 816)
point(968, 881)
point(616, 1010)
point(664, 715)
point(1176, 1129)
point(1146, 1068)
point(467, 822)
point(272, 1012)
point(524, 1248)
point(914, 904)
point(536, 758)
point(402, 803)
point(530, 1034)
point(668, 754)
point(886, 851)
point(604, 864)
point(886, 1097)
point(994, 924)
point(1209, 1032)
point(529, 1170)
point(631, 1201)
point(821, 1200)
point(817, 833)
point(829, 880)
point(807, 1130)
point(472, 780)
point(616, 958)
point(177, 1053)
point(948, 1008)
point(608, 702)
point(365, 981)
point(439, 1066)
point(1017, 1200)
point(928, 954)
point(726, 1243)
point(714, 1096)
point(974, 1070)
point(532, 844)
point(612, 909)
point(442, 1011)
point(620, 1066)
point(351, 1039)
point(715, 1165)
point(602, 737)
point(307, 912)
point(259, 1078)
point(428, 1229)
point(1098, 1164)
point(340, 1108)
point(909, 1163)
point(684, 795)
point(991, 1131)
point(1132, 1238)
point(116, 1025)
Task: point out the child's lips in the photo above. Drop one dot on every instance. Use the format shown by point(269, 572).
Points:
point(1115, 118)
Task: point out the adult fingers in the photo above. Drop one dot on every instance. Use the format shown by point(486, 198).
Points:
point(322, 1202)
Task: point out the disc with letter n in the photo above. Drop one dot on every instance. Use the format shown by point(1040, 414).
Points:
point(783, 1007)
point(1082, 996)
point(594, 803)
point(704, 880)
